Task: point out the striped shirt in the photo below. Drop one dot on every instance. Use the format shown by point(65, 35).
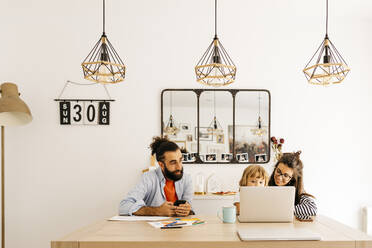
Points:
point(306, 207)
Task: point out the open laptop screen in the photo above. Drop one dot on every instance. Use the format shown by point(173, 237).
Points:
point(267, 204)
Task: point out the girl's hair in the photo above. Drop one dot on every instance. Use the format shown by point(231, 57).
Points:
point(293, 161)
point(253, 171)
point(161, 145)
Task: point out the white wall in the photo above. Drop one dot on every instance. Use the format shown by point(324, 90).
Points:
point(61, 178)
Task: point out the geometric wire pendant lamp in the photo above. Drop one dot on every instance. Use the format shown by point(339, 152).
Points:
point(215, 68)
point(215, 126)
point(259, 130)
point(103, 64)
point(327, 65)
point(171, 127)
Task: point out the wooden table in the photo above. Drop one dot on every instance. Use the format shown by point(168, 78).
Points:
point(213, 234)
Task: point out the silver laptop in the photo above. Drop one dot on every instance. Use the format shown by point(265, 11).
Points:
point(267, 204)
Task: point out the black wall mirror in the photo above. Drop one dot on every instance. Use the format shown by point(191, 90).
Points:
point(220, 126)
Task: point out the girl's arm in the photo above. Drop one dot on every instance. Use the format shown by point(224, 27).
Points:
point(306, 207)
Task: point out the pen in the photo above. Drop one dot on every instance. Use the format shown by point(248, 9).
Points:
point(170, 227)
point(198, 222)
point(171, 224)
point(179, 224)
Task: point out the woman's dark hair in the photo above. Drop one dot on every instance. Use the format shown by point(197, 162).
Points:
point(292, 160)
point(161, 145)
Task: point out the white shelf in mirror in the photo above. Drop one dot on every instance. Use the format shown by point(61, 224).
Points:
point(210, 196)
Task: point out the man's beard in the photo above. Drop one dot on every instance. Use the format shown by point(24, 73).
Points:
point(172, 174)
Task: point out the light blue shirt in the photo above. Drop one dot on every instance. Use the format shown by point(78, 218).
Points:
point(150, 192)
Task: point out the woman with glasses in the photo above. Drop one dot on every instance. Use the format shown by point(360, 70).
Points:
point(288, 172)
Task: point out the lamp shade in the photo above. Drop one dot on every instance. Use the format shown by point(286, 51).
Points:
point(13, 111)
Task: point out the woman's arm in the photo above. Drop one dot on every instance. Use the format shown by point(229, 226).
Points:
point(306, 207)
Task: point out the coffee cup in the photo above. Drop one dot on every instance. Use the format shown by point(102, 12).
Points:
point(228, 214)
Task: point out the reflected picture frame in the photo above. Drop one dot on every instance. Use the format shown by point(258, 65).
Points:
point(204, 134)
point(260, 157)
point(185, 127)
point(226, 157)
point(242, 157)
point(211, 157)
point(220, 138)
point(185, 157)
point(192, 156)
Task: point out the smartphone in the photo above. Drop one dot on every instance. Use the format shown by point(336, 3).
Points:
point(179, 202)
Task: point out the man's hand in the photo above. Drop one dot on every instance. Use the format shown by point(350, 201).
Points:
point(183, 209)
point(237, 205)
point(166, 209)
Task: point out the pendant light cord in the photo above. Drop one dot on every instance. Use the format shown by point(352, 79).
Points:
point(104, 17)
point(214, 103)
point(215, 18)
point(327, 19)
point(171, 104)
point(259, 104)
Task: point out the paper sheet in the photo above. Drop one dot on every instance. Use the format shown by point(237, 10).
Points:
point(138, 218)
point(185, 222)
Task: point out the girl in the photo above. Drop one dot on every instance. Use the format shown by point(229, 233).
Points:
point(288, 172)
point(253, 175)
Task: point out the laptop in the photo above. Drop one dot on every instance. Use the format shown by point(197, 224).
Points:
point(267, 204)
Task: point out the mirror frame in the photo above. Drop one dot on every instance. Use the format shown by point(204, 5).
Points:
point(233, 93)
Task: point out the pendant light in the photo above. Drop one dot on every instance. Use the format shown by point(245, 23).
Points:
point(259, 130)
point(327, 65)
point(171, 128)
point(215, 126)
point(215, 68)
point(103, 64)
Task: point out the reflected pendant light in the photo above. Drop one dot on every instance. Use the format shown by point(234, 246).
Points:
point(259, 130)
point(215, 68)
point(171, 127)
point(103, 64)
point(327, 65)
point(215, 126)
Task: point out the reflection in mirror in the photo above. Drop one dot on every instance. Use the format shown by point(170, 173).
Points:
point(180, 119)
point(216, 115)
point(251, 126)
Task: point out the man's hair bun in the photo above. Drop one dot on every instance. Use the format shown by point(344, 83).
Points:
point(156, 143)
point(161, 145)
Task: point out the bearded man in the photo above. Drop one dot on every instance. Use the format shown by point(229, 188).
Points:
point(159, 190)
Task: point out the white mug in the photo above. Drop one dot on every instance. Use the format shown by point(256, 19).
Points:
point(228, 214)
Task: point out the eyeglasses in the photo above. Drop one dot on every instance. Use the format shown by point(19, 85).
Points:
point(284, 176)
